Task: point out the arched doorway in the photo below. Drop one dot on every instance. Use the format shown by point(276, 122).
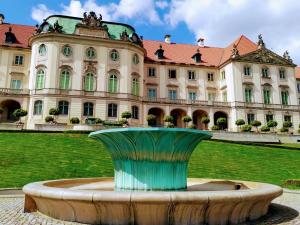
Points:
point(9, 106)
point(177, 115)
point(197, 117)
point(159, 114)
point(221, 114)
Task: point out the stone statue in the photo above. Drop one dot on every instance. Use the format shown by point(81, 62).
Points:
point(260, 43)
point(91, 19)
point(286, 55)
point(234, 51)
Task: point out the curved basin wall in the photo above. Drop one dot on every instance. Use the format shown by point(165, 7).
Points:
point(150, 158)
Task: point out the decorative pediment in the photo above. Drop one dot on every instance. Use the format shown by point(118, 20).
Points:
point(90, 66)
point(264, 56)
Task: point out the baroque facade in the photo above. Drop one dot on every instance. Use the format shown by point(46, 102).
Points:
point(88, 67)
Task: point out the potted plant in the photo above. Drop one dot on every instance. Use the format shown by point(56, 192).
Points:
point(239, 123)
point(287, 125)
point(265, 128)
point(272, 124)
point(215, 127)
point(54, 112)
point(74, 120)
point(19, 113)
point(193, 126)
point(186, 120)
point(256, 124)
point(126, 115)
point(49, 119)
point(169, 120)
point(205, 120)
point(221, 122)
point(151, 119)
point(246, 128)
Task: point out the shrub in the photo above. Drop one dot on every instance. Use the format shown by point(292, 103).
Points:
point(205, 120)
point(265, 128)
point(186, 120)
point(215, 127)
point(272, 124)
point(54, 111)
point(256, 124)
point(299, 130)
point(98, 121)
point(287, 124)
point(193, 126)
point(126, 115)
point(221, 122)
point(284, 129)
point(74, 120)
point(239, 122)
point(90, 120)
point(1, 111)
point(112, 123)
point(18, 113)
point(246, 128)
point(49, 119)
point(151, 119)
point(168, 119)
point(170, 125)
point(123, 121)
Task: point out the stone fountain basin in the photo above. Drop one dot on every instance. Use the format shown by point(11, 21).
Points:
point(205, 201)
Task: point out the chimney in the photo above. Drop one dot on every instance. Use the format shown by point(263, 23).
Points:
point(1, 18)
point(200, 42)
point(168, 38)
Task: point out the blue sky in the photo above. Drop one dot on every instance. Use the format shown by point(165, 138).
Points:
point(219, 22)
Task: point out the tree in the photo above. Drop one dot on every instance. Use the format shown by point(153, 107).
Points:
point(205, 120)
point(169, 120)
point(287, 124)
point(272, 124)
point(186, 120)
point(193, 126)
point(239, 123)
point(19, 113)
point(54, 112)
point(221, 122)
point(256, 124)
point(151, 119)
point(126, 115)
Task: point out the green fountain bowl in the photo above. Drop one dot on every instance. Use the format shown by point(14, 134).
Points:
point(150, 158)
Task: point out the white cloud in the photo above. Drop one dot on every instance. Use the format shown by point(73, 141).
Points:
point(41, 12)
point(220, 22)
point(161, 4)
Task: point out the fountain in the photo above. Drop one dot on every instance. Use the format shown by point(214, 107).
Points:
point(150, 186)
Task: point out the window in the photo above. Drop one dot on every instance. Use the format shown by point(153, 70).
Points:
point(191, 75)
point(172, 74)
point(269, 117)
point(15, 84)
point(287, 118)
point(225, 96)
point(135, 112)
point(265, 72)
point(88, 109)
point(172, 94)
point(64, 82)
point(298, 87)
point(112, 110)
point(223, 75)
point(42, 50)
point(211, 96)
point(250, 117)
point(151, 72)
point(67, 50)
point(267, 96)
point(151, 93)
point(247, 71)
point(40, 79)
point(192, 96)
point(210, 77)
point(113, 84)
point(89, 82)
point(38, 107)
point(281, 73)
point(135, 87)
point(135, 59)
point(63, 107)
point(19, 60)
point(284, 97)
point(114, 55)
point(248, 95)
point(91, 53)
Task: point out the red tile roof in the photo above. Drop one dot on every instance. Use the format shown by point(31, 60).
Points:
point(22, 33)
point(297, 72)
point(182, 53)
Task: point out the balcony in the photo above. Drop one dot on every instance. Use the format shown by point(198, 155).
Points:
point(9, 91)
point(255, 105)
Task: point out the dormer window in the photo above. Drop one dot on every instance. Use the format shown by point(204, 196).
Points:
point(160, 52)
point(10, 37)
point(197, 57)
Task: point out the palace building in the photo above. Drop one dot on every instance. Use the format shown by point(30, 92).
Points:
point(87, 67)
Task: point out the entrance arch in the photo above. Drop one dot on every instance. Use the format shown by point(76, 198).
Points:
point(220, 114)
point(9, 106)
point(177, 115)
point(197, 117)
point(159, 114)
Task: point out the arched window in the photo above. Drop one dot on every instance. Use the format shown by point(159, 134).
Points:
point(112, 110)
point(64, 80)
point(89, 82)
point(67, 50)
point(40, 79)
point(114, 55)
point(135, 89)
point(42, 50)
point(63, 107)
point(88, 109)
point(135, 59)
point(135, 112)
point(113, 84)
point(91, 53)
point(38, 107)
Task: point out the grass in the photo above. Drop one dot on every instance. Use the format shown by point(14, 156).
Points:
point(28, 157)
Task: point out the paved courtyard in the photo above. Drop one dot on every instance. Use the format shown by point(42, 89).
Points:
point(285, 211)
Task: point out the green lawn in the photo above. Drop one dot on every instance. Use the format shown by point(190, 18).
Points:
point(28, 157)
